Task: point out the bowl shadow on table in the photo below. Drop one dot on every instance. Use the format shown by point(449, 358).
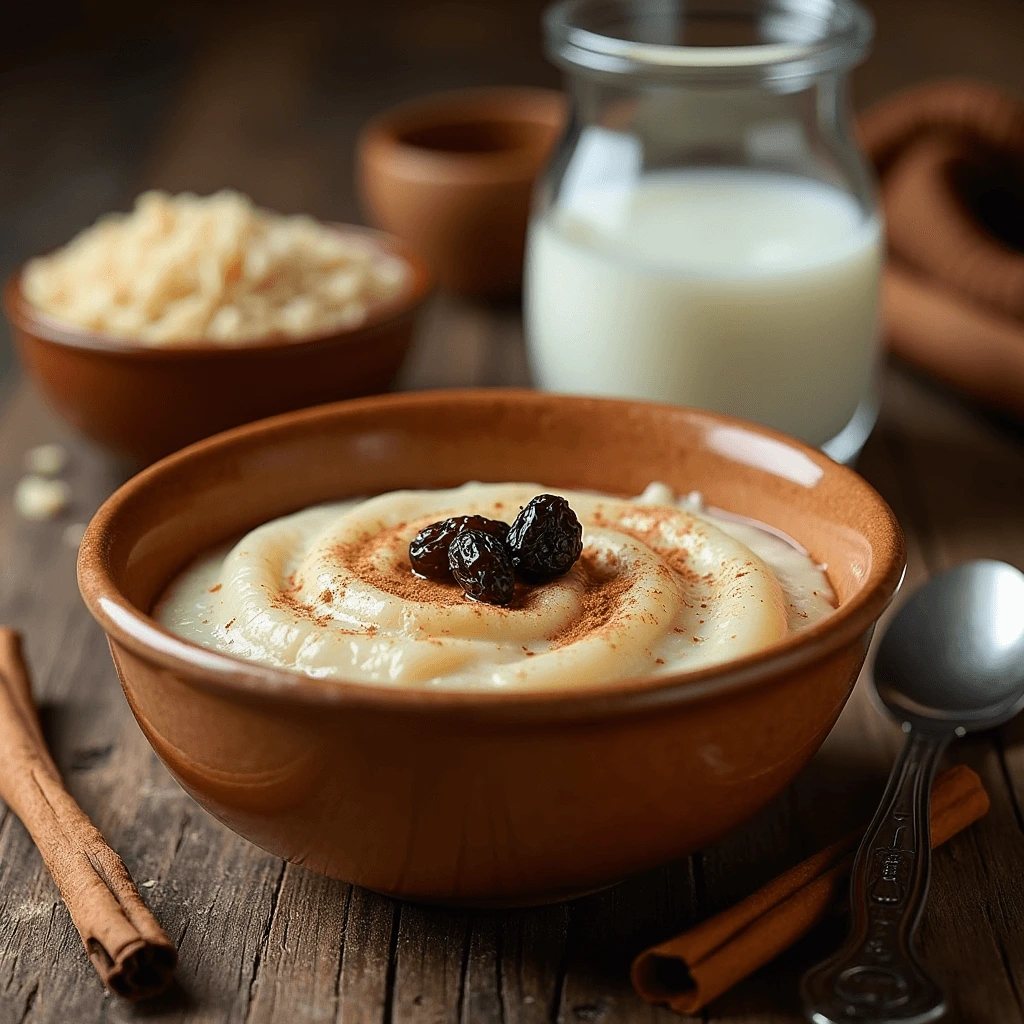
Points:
point(583, 949)
point(608, 929)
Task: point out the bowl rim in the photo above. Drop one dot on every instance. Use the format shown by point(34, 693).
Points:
point(26, 317)
point(224, 674)
point(381, 141)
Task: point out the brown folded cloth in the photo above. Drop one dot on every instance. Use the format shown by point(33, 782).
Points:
point(690, 970)
point(950, 158)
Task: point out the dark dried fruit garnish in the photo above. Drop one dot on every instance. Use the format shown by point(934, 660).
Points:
point(545, 540)
point(428, 551)
point(495, 527)
point(481, 565)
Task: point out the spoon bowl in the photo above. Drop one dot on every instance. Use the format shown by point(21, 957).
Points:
point(953, 657)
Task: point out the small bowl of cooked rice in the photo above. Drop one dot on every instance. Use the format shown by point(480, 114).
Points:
point(190, 315)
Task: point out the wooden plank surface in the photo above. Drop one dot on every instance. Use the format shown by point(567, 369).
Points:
point(261, 941)
point(273, 109)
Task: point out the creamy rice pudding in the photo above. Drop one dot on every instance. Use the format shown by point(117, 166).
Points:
point(663, 585)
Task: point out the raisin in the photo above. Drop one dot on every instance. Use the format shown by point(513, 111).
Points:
point(495, 527)
point(545, 540)
point(481, 565)
point(428, 551)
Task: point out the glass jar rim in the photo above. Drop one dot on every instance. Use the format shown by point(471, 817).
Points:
point(844, 30)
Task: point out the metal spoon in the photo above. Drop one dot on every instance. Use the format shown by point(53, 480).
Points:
point(951, 662)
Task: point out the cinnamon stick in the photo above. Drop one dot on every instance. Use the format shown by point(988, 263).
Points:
point(126, 945)
point(690, 970)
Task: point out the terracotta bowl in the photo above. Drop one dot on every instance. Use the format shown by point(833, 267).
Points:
point(141, 402)
point(452, 174)
point(496, 797)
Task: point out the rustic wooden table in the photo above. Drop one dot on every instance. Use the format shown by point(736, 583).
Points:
point(273, 110)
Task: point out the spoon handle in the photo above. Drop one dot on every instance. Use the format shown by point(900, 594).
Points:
point(877, 978)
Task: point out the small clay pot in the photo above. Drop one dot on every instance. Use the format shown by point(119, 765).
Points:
point(487, 796)
point(142, 401)
point(452, 174)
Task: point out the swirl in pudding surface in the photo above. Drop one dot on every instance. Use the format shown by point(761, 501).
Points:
point(329, 592)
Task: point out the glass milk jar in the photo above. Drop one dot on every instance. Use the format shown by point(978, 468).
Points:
point(706, 232)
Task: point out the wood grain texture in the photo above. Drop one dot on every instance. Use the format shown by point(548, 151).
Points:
point(261, 941)
point(273, 109)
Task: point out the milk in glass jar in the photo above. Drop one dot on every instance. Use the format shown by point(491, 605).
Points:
point(707, 231)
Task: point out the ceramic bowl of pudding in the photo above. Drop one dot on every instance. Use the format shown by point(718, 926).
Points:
point(141, 401)
point(496, 795)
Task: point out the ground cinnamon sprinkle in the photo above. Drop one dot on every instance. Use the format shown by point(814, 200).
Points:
point(606, 586)
point(287, 599)
point(381, 560)
point(653, 537)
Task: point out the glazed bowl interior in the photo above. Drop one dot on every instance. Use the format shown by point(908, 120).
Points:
point(475, 136)
point(220, 488)
point(474, 127)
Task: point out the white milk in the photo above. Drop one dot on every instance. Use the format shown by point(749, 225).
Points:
point(746, 292)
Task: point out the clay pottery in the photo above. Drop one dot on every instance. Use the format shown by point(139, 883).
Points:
point(141, 402)
point(490, 797)
point(452, 174)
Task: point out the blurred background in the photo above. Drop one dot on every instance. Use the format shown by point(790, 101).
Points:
point(101, 100)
